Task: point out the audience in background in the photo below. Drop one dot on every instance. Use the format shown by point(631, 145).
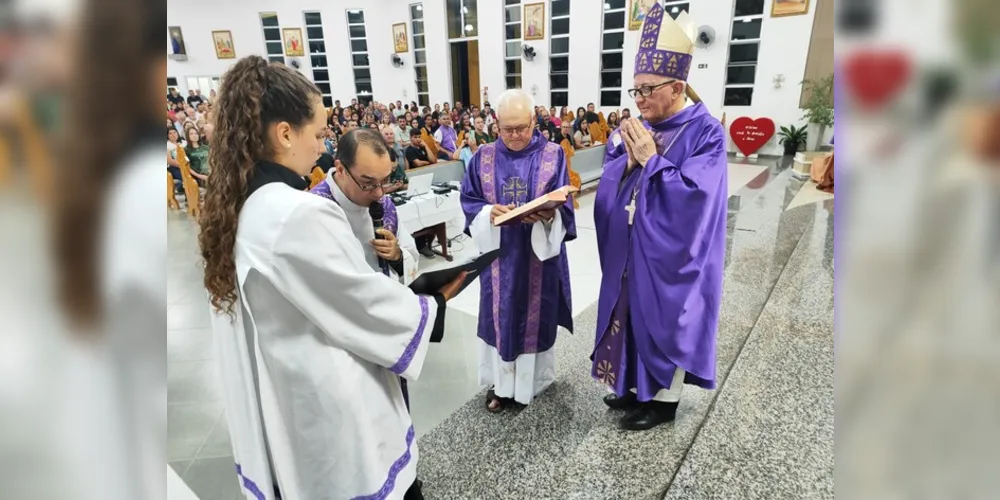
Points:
point(581, 113)
point(397, 178)
point(626, 114)
point(175, 98)
point(194, 99)
point(197, 154)
point(566, 132)
point(401, 127)
point(469, 148)
point(447, 138)
point(564, 114)
point(189, 126)
point(613, 121)
point(419, 153)
point(582, 135)
point(173, 142)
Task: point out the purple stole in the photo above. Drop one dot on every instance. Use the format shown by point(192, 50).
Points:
point(449, 138)
point(487, 174)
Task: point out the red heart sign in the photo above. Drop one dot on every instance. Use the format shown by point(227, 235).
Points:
point(875, 77)
point(750, 135)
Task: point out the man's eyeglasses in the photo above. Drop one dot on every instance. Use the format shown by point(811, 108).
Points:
point(370, 186)
point(515, 130)
point(647, 90)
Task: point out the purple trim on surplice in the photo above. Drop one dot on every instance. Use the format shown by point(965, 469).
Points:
point(390, 481)
point(411, 348)
point(249, 484)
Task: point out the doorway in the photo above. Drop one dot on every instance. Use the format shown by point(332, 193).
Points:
point(465, 72)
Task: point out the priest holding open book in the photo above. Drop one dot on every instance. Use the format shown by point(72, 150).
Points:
point(525, 293)
point(660, 216)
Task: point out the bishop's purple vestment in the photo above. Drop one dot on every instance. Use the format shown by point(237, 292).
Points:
point(662, 275)
point(522, 299)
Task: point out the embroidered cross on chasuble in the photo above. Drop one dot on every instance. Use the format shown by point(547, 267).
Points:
point(515, 191)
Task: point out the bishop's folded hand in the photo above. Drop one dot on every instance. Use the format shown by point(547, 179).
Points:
point(639, 141)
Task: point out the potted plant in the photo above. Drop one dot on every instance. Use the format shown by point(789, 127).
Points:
point(819, 106)
point(793, 138)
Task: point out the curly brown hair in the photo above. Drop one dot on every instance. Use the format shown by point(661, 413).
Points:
point(253, 95)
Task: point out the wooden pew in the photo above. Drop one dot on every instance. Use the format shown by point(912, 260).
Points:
point(191, 190)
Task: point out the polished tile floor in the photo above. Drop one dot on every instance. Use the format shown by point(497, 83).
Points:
point(765, 433)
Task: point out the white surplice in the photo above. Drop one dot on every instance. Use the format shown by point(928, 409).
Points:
point(322, 338)
point(361, 223)
point(530, 373)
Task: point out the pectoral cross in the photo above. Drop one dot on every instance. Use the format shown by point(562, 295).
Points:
point(631, 206)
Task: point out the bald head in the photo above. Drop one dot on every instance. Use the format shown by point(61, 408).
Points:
point(515, 104)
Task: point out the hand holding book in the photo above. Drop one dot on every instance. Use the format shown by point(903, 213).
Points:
point(539, 209)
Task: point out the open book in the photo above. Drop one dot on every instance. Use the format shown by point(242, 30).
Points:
point(544, 202)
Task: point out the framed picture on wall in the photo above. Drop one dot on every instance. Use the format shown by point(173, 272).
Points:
point(399, 38)
point(637, 10)
point(534, 21)
point(781, 8)
point(177, 47)
point(223, 44)
point(293, 42)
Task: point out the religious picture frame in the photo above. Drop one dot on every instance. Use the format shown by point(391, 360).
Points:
point(533, 21)
point(783, 8)
point(293, 42)
point(223, 41)
point(399, 40)
point(637, 10)
point(177, 46)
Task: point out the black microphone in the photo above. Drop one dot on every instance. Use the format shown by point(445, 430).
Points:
point(378, 213)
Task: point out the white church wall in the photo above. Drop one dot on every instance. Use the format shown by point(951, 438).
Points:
point(783, 51)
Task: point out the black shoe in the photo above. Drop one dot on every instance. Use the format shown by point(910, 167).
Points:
point(426, 252)
point(648, 415)
point(626, 402)
point(415, 492)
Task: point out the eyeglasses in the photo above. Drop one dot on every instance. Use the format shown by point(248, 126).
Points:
point(367, 187)
point(647, 90)
point(515, 130)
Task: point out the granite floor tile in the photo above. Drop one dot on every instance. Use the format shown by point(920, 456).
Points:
point(772, 424)
point(193, 382)
point(180, 466)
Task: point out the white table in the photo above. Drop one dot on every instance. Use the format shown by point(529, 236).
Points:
point(430, 213)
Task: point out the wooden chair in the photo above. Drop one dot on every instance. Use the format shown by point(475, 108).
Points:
point(191, 190)
point(461, 139)
point(597, 134)
point(574, 178)
point(723, 119)
point(316, 176)
point(429, 140)
point(171, 197)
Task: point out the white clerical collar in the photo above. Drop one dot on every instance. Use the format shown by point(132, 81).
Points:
point(340, 197)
